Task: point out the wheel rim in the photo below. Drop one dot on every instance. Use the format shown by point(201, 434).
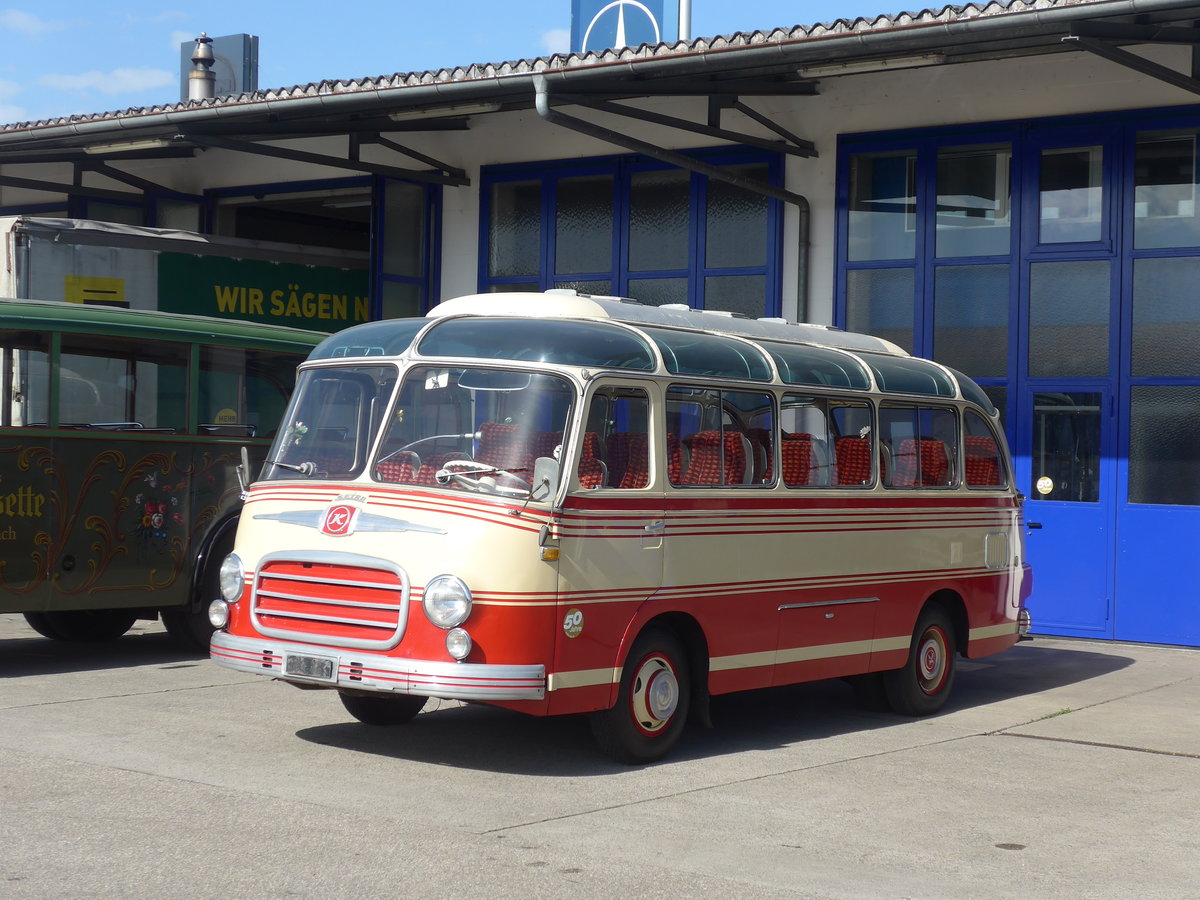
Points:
point(932, 660)
point(654, 694)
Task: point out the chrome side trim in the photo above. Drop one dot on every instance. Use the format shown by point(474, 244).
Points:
point(371, 672)
point(828, 603)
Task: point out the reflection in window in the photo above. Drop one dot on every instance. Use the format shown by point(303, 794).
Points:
point(1164, 201)
point(1066, 447)
point(123, 384)
point(1071, 195)
point(25, 357)
point(880, 302)
point(973, 207)
point(971, 319)
point(883, 206)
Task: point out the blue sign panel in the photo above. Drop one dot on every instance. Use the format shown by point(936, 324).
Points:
point(607, 24)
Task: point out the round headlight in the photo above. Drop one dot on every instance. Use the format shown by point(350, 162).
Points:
point(458, 643)
point(447, 601)
point(218, 613)
point(233, 578)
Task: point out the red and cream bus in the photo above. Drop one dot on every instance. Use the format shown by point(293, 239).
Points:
point(566, 504)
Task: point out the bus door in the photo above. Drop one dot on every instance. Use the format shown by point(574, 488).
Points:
point(611, 525)
point(1069, 483)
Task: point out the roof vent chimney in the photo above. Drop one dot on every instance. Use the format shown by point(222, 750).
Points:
point(201, 80)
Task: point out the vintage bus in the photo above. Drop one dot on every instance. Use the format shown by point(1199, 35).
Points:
point(560, 504)
point(120, 432)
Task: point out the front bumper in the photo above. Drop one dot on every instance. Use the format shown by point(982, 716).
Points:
point(361, 671)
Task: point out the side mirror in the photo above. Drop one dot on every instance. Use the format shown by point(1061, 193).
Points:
point(243, 473)
point(545, 479)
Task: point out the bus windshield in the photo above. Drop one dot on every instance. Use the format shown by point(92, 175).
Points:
point(457, 427)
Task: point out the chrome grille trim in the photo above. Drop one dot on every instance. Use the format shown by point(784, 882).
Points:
point(383, 634)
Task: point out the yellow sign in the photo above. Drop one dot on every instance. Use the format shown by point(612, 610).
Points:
point(94, 290)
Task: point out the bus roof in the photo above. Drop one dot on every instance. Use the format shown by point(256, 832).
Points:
point(569, 304)
point(120, 321)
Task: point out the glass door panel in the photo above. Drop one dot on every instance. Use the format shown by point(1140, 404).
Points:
point(1069, 510)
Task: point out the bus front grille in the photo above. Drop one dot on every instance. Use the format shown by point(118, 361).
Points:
point(331, 600)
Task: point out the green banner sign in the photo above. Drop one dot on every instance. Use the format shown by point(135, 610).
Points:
point(320, 298)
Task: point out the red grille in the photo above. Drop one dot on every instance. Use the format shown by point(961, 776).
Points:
point(341, 604)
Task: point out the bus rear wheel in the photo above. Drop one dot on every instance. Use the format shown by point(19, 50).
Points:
point(82, 626)
point(382, 709)
point(652, 703)
point(923, 685)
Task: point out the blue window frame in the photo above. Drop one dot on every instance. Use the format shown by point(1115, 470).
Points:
point(634, 227)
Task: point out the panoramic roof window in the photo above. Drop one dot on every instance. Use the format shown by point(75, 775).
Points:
point(691, 353)
point(390, 337)
point(799, 364)
point(904, 375)
point(560, 341)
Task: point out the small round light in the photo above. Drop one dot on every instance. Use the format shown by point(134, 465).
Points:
point(458, 643)
point(218, 613)
point(232, 578)
point(447, 601)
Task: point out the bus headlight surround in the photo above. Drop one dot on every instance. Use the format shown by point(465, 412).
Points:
point(232, 578)
point(447, 601)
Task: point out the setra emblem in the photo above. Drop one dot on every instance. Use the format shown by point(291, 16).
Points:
point(339, 520)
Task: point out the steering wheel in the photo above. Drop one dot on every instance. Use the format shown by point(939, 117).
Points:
point(477, 477)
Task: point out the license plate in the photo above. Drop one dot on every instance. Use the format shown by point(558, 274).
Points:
point(318, 668)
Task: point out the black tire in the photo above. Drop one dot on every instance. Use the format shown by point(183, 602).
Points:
point(922, 687)
point(188, 625)
point(82, 626)
point(652, 703)
point(382, 709)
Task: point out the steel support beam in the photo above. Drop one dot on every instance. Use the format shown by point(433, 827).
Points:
point(319, 159)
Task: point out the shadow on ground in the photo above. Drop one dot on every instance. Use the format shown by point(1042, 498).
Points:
point(24, 653)
point(496, 740)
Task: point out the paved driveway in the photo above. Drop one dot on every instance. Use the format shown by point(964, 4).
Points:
point(1061, 768)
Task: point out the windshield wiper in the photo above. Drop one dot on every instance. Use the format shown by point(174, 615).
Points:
point(305, 468)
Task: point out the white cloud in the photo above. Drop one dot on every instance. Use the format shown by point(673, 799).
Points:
point(556, 40)
point(118, 81)
point(25, 23)
point(182, 37)
point(11, 114)
point(9, 89)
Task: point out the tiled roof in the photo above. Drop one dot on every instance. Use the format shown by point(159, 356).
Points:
point(563, 61)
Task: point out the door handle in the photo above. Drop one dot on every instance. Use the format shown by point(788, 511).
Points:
point(1033, 526)
point(656, 526)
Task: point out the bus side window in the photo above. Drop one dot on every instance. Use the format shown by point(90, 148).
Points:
point(615, 446)
point(918, 446)
point(981, 454)
point(26, 378)
point(715, 431)
point(852, 437)
point(122, 384)
point(804, 448)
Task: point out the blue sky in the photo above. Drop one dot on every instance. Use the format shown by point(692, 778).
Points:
point(87, 56)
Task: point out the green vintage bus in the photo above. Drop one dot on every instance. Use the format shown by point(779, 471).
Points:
point(120, 431)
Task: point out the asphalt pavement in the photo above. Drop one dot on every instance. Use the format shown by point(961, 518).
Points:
point(1061, 768)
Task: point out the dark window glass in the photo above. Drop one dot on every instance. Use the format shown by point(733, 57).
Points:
point(1164, 466)
point(583, 234)
point(659, 207)
point(514, 231)
point(692, 353)
point(883, 206)
point(905, 375)
point(974, 214)
point(802, 364)
point(553, 341)
point(880, 302)
point(971, 305)
point(1166, 317)
point(1068, 318)
point(1066, 447)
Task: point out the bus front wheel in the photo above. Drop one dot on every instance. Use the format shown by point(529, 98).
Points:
point(922, 686)
point(82, 626)
point(382, 709)
point(652, 703)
